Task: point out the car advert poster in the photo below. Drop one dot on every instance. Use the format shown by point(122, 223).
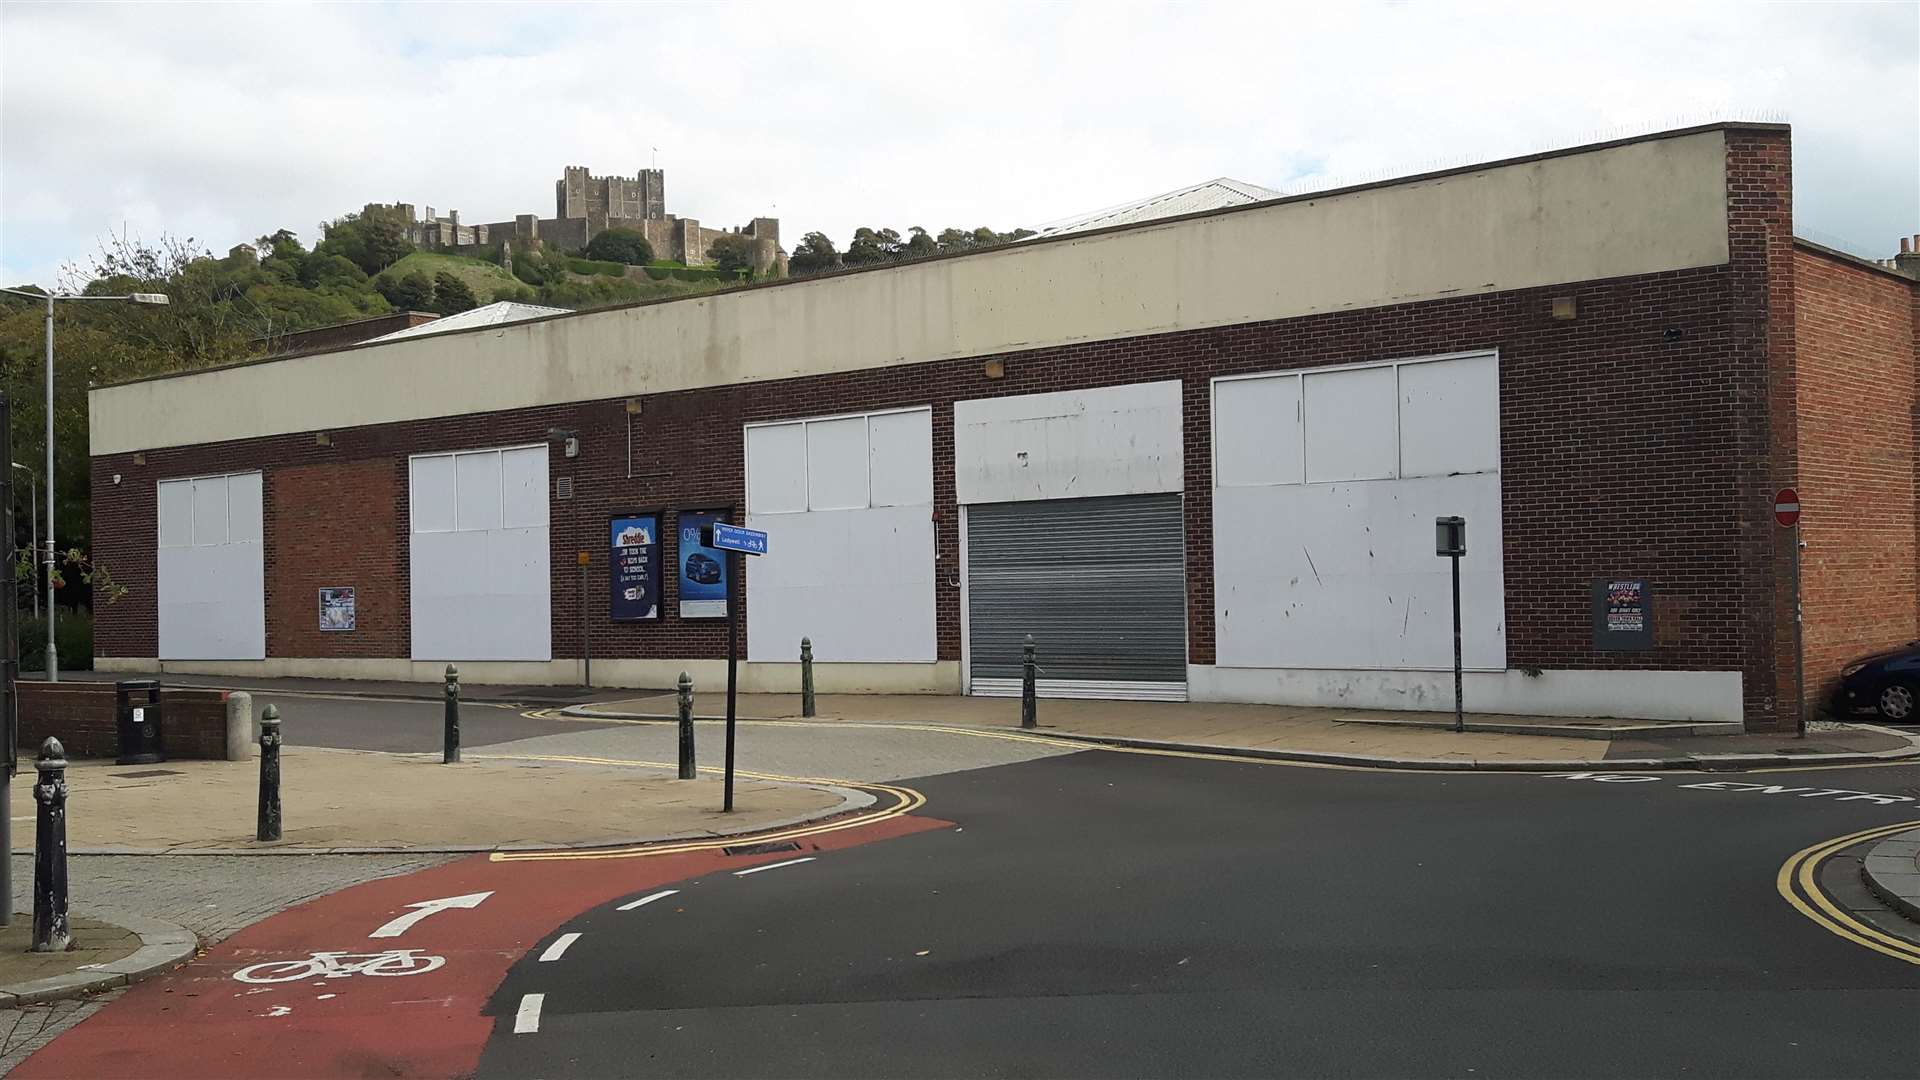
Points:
point(634, 567)
point(703, 570)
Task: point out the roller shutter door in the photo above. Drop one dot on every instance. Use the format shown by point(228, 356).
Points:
point(1099, 583)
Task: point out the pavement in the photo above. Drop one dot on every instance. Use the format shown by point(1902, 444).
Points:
point(1341, 736)
point(356, 801)
point(1891, 869)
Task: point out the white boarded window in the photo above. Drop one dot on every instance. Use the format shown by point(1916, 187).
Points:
point(841, 463)
point(900, 456)
point(1350, 422)
point(479, 555)
point(1256, 428)
point(837, 464)
point(212, 588)
point(777, 468)
point(1450, 417)
point(476, 491)
point(431, 497)
point(523, 484)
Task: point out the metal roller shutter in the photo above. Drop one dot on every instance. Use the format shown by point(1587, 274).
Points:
point(1099, 583)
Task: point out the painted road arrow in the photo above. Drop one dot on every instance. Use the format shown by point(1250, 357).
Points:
point(428, 907)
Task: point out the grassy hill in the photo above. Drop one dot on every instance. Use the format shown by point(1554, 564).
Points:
point(484, 278)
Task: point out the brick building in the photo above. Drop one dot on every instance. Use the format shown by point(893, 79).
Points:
point(1195, 458)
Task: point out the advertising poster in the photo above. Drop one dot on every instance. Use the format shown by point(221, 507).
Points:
point(703, 570)
point(1622, 614)
point(634, 567)
point(336, 608)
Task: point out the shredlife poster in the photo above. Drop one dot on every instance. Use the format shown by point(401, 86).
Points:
point(634, 565)
point(336, 608)
point(703, 570)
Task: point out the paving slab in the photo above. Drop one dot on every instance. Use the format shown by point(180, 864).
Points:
point(1891, 870)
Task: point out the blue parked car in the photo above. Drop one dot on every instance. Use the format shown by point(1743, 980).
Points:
point(1887, 683)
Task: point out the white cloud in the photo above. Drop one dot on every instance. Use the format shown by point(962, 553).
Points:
point(225, 122)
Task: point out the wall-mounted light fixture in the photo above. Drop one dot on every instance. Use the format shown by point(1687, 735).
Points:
point(568, 438)
point(994, 369)
point(139, 459)
point(321, 438)
point(1565, 308)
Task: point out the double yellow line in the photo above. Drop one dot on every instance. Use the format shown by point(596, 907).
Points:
point(904, 801)
point(1796, 882)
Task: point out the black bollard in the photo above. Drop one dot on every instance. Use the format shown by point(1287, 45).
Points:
point(1028, 707)
point(269, 825)
point(806, 676)
point(450, 739)
point(687, 769)
point(50, 930)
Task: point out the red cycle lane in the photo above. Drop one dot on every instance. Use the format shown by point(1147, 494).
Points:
point(266, 1003)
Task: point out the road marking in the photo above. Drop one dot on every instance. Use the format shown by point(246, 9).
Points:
point(1739, 787)
point(425, 908)
point(1796, 877)
point(645, 900)
point(559, 948)
point(771, 866)
point(527, 1020)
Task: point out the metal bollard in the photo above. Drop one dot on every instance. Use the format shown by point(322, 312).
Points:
point(687, 769)
point(269, 824)
point(450, 738)
point(1028, 710)
point(806, 676)
point(50, 930)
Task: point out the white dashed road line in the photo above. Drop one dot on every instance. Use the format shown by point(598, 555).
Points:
point(645, 900)
point(559, 947)
point(771, 866)
point(527, 1020)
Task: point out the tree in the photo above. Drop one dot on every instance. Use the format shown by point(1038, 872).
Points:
point(815, 255)
point(622, 246)
point(869, 246)
point(919, 244)
point(731, 252)
point(373, 239)
point(451, 296)
point(408, 292)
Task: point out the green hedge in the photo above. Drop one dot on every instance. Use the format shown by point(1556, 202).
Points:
point(596, 266)
point(691, 273)
point(75, 632)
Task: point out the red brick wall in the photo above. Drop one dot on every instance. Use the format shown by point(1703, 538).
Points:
point(81, 716)
point(1638, 439)
point(332, 524)
point(1859, 485)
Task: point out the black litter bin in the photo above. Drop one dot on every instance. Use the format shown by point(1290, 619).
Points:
point(142, 734)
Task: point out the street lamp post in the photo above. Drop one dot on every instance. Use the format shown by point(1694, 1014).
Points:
point(53, 652)
point(33, 511)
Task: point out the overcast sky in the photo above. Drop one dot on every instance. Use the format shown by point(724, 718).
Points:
point(226, 122)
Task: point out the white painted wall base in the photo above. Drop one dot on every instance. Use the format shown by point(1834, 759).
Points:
point(1638, 695)
point(940, 677)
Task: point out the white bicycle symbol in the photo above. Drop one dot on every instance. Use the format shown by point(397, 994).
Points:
point(341, 965)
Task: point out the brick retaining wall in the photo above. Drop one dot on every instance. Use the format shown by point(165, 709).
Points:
point(81, 716)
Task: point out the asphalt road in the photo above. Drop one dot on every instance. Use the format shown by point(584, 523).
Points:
point(399, 726)
point(1107, 914)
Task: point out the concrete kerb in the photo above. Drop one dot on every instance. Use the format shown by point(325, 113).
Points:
point(851, 800)
point(162, 945)
point(1891, 871)
point(1698, 762)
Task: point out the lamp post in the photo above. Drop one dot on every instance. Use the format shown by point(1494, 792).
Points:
point(53, 653)
point(33, 510)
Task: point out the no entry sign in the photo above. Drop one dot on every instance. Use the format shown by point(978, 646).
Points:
point(1786, 508)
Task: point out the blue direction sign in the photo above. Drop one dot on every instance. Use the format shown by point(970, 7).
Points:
point(734, 538)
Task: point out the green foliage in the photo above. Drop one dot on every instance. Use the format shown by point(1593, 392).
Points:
point(486, 279)
point(919, 244)
point(732, 254)
point(691, 273)
point(621, 246)
point(73, 632)
point(815, 255)
point(602, 267)
point(451, 296)
point(408, 292)
point(869, 247)
point(373, 239)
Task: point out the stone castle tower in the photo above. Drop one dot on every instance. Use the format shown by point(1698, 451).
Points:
point(580, 194)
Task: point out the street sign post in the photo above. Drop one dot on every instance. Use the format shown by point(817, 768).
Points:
point(1786, 514)
point(1450, 542)
point(735, 541)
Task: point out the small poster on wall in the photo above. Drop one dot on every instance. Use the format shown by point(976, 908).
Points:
point(336, 608)
point(1622, 614)
point(703, 570)
point(634, 562)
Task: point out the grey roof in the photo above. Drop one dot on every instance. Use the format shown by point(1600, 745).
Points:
point(506, 311)
point(1216, 194)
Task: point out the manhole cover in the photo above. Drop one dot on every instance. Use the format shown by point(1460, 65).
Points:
point(144, 773)
point(761, 849)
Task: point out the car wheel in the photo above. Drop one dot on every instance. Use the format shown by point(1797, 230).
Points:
point(1900, 703)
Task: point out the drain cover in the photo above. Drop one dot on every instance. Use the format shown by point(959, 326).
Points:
point(761, 849)
point(144, 773)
